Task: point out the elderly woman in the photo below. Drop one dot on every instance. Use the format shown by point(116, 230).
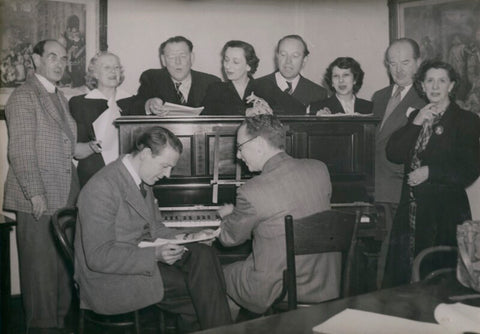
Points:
point(241, 94)
point(439, 147)
point(105, 74)
point(344, 77)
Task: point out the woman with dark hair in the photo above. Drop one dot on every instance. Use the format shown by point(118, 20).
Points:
point(241, 94)
point(439, 147)
point(344, 77)
point(104, 75)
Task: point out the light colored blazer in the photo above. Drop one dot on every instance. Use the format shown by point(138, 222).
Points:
point(389, 176)
point(286, 186)
point(113, 273)
point(40, 148)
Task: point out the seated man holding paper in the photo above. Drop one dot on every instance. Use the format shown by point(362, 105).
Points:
point(117, 212)
point(176, 82)
point(286, 186)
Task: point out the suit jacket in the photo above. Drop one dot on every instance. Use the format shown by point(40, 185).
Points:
point(306, 91)
point(286, 186)
point(158, 83)
point(389, 176)
point(361, 106)
point(222, 99)
point(40, 149)
point(114, 274)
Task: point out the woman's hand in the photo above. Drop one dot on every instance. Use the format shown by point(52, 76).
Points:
point(418, 176)
point(260, 106)
point(324, 111)
point(427, 114)
point(84, 150)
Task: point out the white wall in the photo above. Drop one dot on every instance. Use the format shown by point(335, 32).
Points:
point(331, 29)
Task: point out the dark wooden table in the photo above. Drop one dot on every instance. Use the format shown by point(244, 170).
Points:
point(6, 225)
point(416, 302)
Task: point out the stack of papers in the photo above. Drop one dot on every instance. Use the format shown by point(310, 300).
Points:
point(160, 241)
point(452, 319)
point(181, 110)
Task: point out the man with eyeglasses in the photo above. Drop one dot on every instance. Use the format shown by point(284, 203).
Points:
point(291, 55)
point(40, 180)
point(176, 82)
point(299, 187)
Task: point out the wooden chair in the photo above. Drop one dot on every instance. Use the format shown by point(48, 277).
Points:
point(327, 231)
point(426, 253)
point(63, 224)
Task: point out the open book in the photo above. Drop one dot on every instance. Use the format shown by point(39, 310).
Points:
point(160, 241)
point(451, 318)
point(181, 110)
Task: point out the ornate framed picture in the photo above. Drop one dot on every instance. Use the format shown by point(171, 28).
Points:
point(448, 30)
point(77, 24)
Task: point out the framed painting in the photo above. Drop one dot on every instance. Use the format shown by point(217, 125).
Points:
point(80, 25)
point(446, 30)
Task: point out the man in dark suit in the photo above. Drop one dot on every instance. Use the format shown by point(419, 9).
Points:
point(291, 55)
point(176, 82)
point(117, 211)
point(391, 104)
point(41, 179)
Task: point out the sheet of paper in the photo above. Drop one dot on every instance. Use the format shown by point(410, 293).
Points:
point(352, 321)
point(458, 318)
point(160, 241)
point(346, 115)
point(181, 110)
point(107, 133)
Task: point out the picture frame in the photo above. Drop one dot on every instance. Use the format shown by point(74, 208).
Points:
point(447, 30)
point(78, 24)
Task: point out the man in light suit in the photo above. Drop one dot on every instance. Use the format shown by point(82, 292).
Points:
point(41, 179)
point(291, 55)
point(116, 212)
point(176, 82)
point(391, 104)
point(286, 186)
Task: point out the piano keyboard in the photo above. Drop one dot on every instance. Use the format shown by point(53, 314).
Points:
point(192, 216)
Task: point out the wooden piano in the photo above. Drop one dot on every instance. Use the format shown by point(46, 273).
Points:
point(346, 144)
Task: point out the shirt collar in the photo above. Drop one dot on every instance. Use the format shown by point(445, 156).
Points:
point(126, 160)
point(96, 94)
point(282, 82)
point(50, 87)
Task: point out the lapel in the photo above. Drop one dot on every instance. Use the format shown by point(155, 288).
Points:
point(336, 105)
point(300, 86)
point(69, 125)
point(381, 101)
point(192, 94)
point(133, 197)
point(446, 122)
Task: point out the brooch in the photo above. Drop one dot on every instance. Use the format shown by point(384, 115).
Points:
point(438, 130)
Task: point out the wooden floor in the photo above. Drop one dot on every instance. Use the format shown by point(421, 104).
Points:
point(148, 321)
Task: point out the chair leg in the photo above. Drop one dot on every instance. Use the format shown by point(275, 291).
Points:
point(137, 322)
point(81, 321)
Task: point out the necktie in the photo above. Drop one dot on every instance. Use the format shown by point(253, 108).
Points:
point(180, 96)
point(392, 104)
point(288, 90)
point(143, 190)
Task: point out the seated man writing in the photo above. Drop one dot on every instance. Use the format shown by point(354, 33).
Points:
point(286, 186)
point(116, 212)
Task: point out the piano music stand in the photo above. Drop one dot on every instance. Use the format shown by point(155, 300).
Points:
point(215, 182)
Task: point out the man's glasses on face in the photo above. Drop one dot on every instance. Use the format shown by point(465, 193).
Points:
point(239, 146)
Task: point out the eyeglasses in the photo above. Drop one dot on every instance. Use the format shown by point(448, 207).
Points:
point(239, 146)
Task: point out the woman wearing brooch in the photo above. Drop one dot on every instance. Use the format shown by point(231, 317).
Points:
point(439, 147)
point(104, 75)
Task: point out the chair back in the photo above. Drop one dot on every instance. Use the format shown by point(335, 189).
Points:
point(63, 224)
point(324, 232)
point(429, 252)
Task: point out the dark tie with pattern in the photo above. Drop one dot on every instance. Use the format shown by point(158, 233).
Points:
point(180, 96)
point(392, 104)
point(289, 89)
point(143, 190)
